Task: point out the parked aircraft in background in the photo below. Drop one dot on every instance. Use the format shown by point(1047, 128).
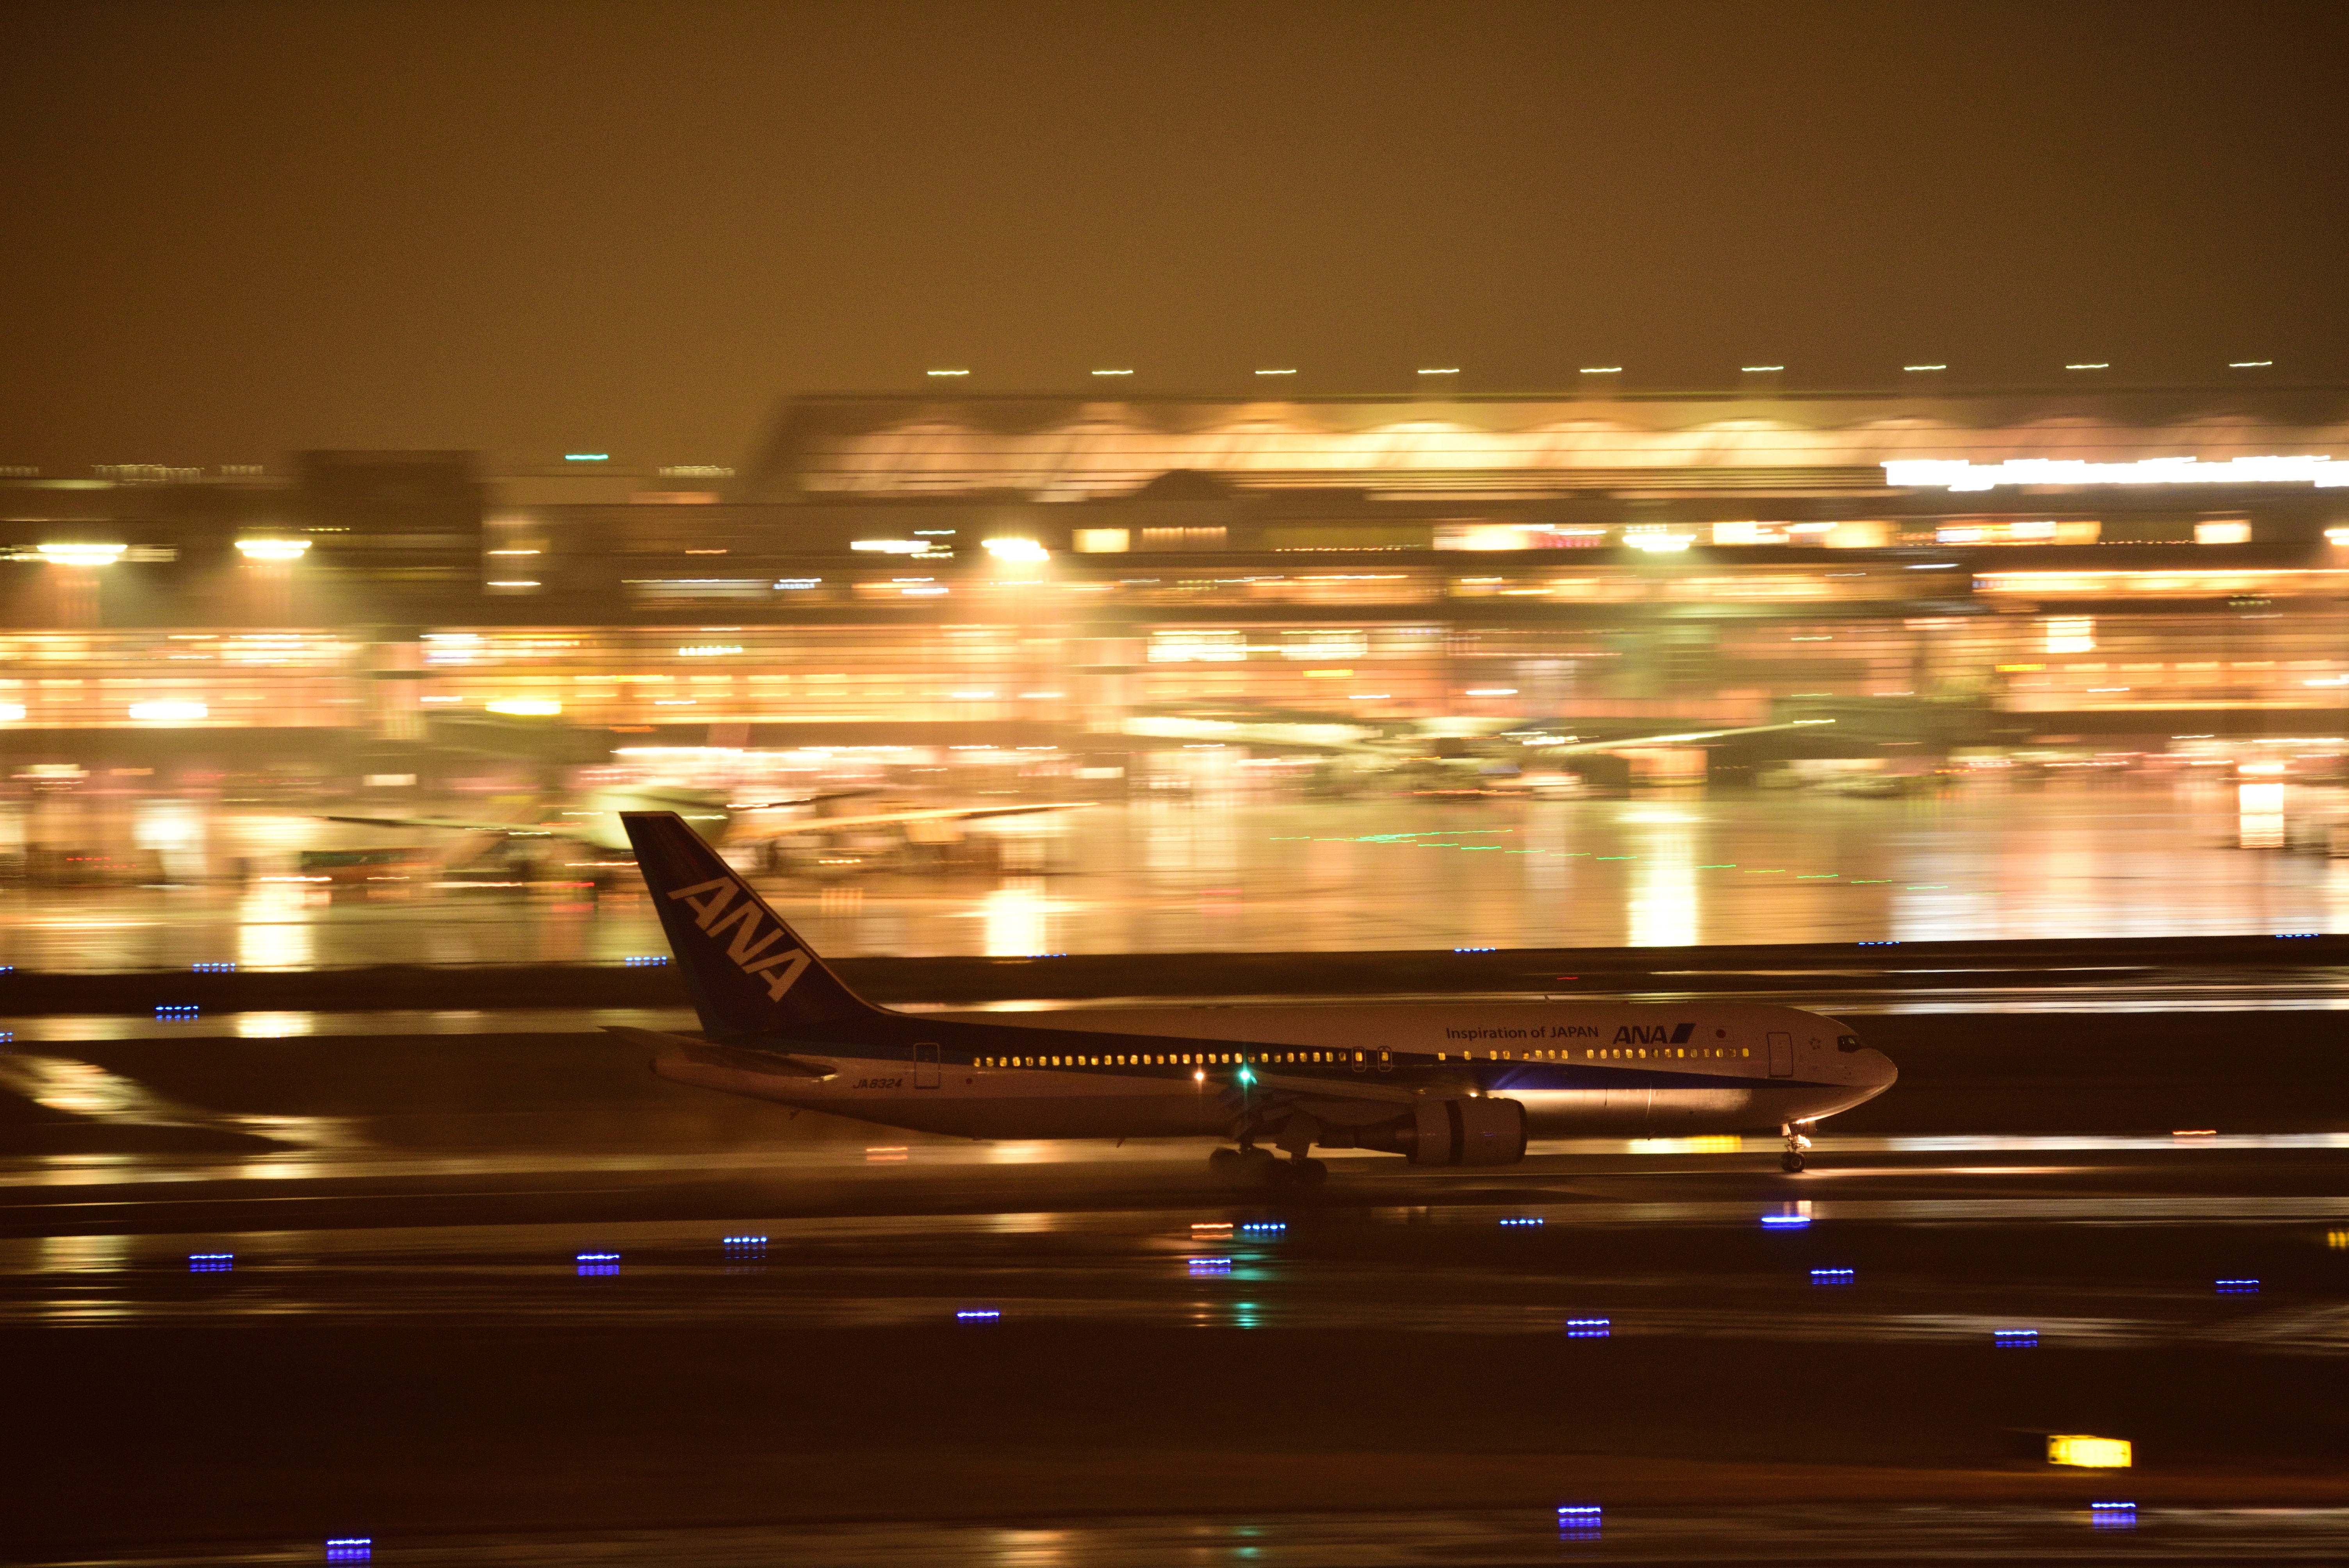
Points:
point(583, 832)
point(1437, 756)
point(1442, 1083)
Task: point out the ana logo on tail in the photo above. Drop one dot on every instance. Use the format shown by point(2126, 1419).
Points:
point(745, 948)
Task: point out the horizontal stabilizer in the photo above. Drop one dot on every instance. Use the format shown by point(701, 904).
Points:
point(732, 1058)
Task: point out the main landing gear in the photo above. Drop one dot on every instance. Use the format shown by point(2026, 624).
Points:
point(1249, 1163)
point(1792, 1160)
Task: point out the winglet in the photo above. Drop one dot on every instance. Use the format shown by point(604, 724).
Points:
point(749, 973)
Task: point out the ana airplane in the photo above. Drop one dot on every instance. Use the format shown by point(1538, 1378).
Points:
point(1442, 1083)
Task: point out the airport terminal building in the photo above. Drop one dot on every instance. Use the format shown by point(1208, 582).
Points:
point(2109, 569)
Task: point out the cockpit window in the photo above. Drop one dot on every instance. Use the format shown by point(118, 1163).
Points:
point(1846, 1042)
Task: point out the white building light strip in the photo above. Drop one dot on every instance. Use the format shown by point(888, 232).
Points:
point(1956, 474)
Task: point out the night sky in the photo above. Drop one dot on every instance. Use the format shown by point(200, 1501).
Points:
point(238, 229)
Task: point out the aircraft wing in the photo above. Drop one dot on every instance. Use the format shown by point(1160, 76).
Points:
point(1324, 1089)
point(458, 825)
point(898, 819)
point(818, 798)
point(1586, 748)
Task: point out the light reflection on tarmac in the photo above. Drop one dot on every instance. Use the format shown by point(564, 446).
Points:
point(2119, 860)
point(2098, 1240)
point(1767, 1393)
point(1790, 1533)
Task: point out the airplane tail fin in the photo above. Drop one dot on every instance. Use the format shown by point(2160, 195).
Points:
point(749, 973)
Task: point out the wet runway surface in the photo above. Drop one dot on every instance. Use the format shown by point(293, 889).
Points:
point(2122, 858)
point(920, 1351)
point(1885, 1240)
point(1398, 1539)
point(479, 1297)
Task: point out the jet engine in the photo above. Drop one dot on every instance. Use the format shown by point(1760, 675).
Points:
point(1464, 1132)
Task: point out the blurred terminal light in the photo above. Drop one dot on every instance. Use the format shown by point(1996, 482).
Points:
point(946, 372)
point(1291, 370)
point(11, 712)
point(525, 707)
point(1960, 474)
point(586, 456)
point(2091, 365)
point(1601, 370)
point(273, 549)
point(169, 712)
point(891, 546)
point(1639, 537)
point(1759, 370)
point(1017, 550)
point(1915, 367)
point(1128, 371)
point(1442, 370)
point(2249, 364)
point(2089, 1453)
point(74, 554)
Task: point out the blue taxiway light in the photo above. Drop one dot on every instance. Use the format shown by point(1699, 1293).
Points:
point(350, 1549)
point(176, 1009)
point(1832, 1276)
point(2112, 1515)
point(745, 1241)
point(2015, 1338)
point(211, 1262)
point(1785, 1222)
point(644, 960)
point(977, 1315)
point(213, 968)
point(2237, 1286)
point(2296, 936)
point(1529, 1221)
point(1589, 1327)
point(1264, 1227)
point(1210, 1265)
point(1475, 950)
point(1581, 1519)
point(1892, 944)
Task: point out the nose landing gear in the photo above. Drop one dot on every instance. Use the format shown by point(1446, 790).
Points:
point(1792, 1160)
